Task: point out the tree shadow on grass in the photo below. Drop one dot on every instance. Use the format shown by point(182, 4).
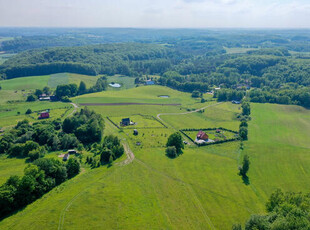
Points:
point(246, 180)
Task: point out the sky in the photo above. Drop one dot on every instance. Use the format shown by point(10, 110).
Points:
point(156, 13)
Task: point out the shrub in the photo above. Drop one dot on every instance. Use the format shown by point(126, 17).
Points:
point(29, 111)
point(171, 152)
point(73, 167)
point(31, 98)
point(175, 140)
point(243, 133)
point(245, 166)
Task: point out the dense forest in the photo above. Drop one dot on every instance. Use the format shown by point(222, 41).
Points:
point(276, 66)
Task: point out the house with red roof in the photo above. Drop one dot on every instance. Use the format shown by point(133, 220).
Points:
point(202, 136)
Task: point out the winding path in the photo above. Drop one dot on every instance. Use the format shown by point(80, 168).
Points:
point(75, 109)
point(130, 156)
point(194, 111)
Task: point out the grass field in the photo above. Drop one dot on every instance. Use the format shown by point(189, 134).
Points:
point(201, 189)
point(9, 112)
point(222, 115)
point(10, 166)
point(25, 83)
point(4, 56)
point(238, 50)
point(125, 82)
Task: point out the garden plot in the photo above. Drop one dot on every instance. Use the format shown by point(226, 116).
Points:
point(213, 135)
point(138, 121)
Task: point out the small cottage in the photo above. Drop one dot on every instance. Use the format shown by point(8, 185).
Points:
point(236, 102)
point(44, 115)
point(135, 132)
point(72, 151)
point(66, 157)
point(202, 136)
point(150, 82)
point(125, 122)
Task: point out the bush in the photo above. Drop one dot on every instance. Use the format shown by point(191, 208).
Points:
point(245, 166)
point(34, 154)
point(73, 167)
point(65, 99)
point(29, 111)
point(243, 133)
point(171, 152)
point(31, 98)
point(175, 140)
point(196, 94)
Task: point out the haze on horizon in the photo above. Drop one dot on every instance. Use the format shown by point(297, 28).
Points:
point(156, 14)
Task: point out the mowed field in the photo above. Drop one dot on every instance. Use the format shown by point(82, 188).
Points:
point(201, 189)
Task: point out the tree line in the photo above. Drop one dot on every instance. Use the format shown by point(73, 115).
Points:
point(39, 177)
point(34, 140)
point(285, 211)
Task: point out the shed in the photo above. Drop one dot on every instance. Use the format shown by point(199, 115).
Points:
point(66, 157)
point(135, 132)
point(125, 122)
point(44, 115)
point(150, 82)
point(72, 151)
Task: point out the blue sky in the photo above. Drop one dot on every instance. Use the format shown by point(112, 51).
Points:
point(156, 13)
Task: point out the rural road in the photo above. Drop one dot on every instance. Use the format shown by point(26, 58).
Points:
point(130, 156)
point(194, 111)
point(75, 109)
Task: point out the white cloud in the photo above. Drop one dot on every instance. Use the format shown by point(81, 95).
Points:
point(160, 13)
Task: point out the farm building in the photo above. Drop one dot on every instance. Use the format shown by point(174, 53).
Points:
point(45, 98)
point(202, 136)
point(66, 157)
point(72, 151)
point(44, 115)
point(150, 82)
point(125, 122)
point(135, 132)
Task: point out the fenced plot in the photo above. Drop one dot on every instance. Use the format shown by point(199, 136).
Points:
point(215, 135)
point(137, 121)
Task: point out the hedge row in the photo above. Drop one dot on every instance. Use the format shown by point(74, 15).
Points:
point(209, 143)
point(181, 130)
point(113, 123)
point(218, 142)
point(229, 130)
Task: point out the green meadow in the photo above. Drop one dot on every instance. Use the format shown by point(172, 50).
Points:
point(201, 189)
point(125, 82)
